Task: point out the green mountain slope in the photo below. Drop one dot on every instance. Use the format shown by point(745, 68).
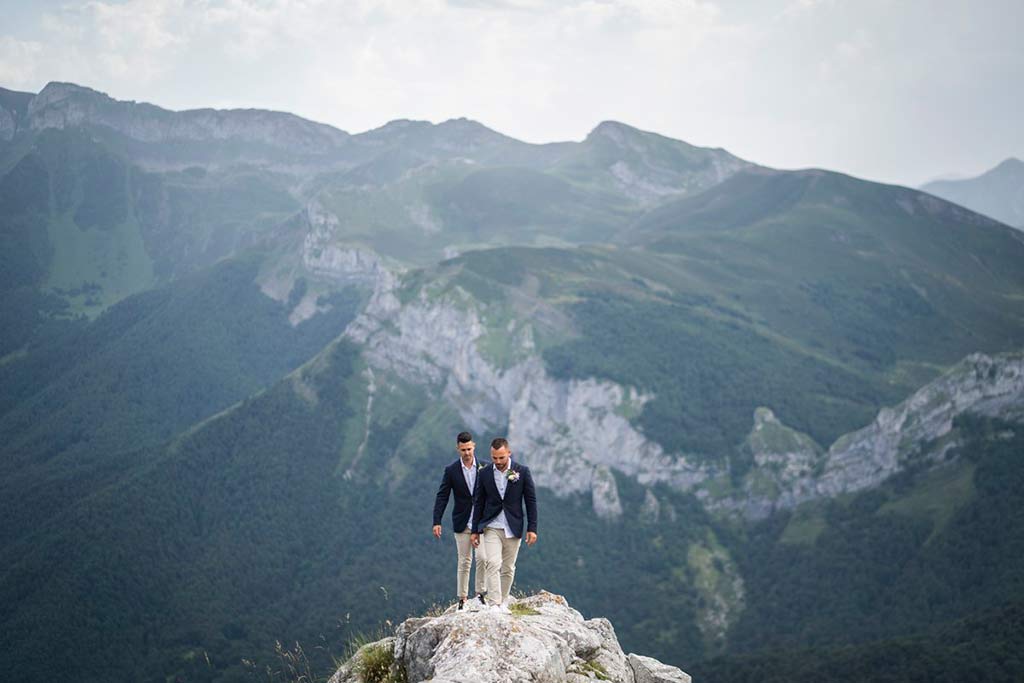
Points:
point(264, 523)
point(874, 276)
point(77, 409)
point(82, 228)
point(242, 531)
point(919, 580)
point(982, 647)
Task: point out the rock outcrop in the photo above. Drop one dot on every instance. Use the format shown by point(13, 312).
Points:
point(916, 428)
point(789, 467)
point(542, 639)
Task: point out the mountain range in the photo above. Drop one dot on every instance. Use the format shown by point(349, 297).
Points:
point(768, 411)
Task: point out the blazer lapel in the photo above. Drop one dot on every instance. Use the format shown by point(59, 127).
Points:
point(488, 475)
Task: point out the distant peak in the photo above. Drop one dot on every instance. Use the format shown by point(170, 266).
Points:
point(614, 130)
point(57, 91)
point(61, 88)
point(613, 125)
point(623, 134)
point(1010, 164)
point(462, 123)
point(401, 124)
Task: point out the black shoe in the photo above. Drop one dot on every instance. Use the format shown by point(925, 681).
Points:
point(481, 598)
point(462, 601)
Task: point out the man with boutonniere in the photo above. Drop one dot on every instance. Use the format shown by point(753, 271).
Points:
point(503, 488)
point(460, 479)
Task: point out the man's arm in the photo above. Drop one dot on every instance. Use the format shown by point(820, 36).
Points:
point(441, 502)
point(530, 497)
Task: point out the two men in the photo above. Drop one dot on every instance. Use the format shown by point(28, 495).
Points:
point(495, 524)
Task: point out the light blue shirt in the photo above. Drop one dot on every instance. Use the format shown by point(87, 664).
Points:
point(501, 481)
point(469, 474)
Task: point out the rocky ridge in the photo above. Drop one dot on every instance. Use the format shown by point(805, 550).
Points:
point(542, 639)
point(631, 160)
point(62, 105)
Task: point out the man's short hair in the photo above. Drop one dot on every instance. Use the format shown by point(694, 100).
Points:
point(464, 437)
point(499, 443)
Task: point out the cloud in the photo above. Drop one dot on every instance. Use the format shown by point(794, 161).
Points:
point(136, 40)
point(19, 62)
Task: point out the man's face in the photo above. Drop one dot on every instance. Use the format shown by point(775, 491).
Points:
point(466, 450)
point(500, 457)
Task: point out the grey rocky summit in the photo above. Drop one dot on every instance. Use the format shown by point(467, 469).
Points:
point(542, 639)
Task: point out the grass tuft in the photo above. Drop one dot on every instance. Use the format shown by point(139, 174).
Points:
point(522, 610)
point(593, 669)
point(374, 665)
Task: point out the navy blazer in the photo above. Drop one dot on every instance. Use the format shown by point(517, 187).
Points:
point(487, 502)
point(453, 481)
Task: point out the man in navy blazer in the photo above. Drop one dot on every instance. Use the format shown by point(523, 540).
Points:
point(502, 490)
point(460, 479)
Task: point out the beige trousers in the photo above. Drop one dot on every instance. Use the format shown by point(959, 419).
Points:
point(465, 549)
point(499, 557)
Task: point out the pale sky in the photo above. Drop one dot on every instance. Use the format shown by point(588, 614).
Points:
point(899, 91)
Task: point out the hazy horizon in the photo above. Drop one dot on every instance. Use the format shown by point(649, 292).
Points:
point(904, 93)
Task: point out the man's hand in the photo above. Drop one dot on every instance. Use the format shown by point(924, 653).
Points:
point(531, 538)
point(437, 531)
point(474, 539)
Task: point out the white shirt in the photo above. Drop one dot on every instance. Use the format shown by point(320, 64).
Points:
point(469, 474)
point(501, 481)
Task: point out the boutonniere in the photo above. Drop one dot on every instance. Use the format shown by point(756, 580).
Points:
point(512, 475)
point(479, 466)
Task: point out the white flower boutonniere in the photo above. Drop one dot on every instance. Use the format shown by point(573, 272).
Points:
point(512, 475)
point(479, 466)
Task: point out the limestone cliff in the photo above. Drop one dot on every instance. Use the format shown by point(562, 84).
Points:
point(572, 433)
point(314, 256)
point(542, 639)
